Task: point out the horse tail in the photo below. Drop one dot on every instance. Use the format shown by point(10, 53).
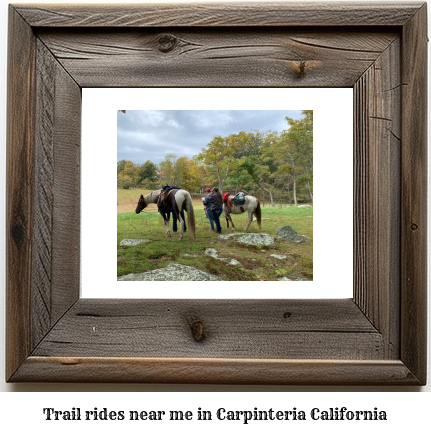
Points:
point(190, 215)
point(258, 213)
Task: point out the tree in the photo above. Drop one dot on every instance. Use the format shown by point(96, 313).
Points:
point(253, 163)
point(132, 172)
point(148, 174)
point(218, 156)
point(298, 146)
point(188, 174)
point(121, 165)
point(292, 153)
point(168, 174)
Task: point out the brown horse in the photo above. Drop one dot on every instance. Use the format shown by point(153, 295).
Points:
point(154, 198)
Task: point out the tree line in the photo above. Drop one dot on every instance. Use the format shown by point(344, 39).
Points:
point(275, 166)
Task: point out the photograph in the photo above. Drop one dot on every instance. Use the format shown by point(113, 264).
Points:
point(220, 195)
point(275, 143)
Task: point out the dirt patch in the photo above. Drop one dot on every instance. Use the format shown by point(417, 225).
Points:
point(129, 206)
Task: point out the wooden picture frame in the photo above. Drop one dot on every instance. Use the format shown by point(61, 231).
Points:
point(376, 338)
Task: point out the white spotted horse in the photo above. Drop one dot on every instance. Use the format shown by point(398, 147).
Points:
point(175, 201)
point(154, 198)
point(250, 204)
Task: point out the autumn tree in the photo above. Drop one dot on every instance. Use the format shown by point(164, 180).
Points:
point(129, 176)
point(168, 174)
point(121, 165)
point(217, 157)
point(275, 164)
point(188, 174)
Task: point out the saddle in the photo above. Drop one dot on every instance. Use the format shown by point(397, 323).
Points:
point(166, 191)
point(231, 200)
point(164, 195)
point(239, 199)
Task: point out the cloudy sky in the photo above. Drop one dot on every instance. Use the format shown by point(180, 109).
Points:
point(150, 135)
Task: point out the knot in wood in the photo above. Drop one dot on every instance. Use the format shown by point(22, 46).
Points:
point(18, 233)
point(167, 42)
point(300, 69)
point(197, 328)
point(414, 226)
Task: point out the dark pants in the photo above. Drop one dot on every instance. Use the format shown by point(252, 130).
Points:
point(210, 218)
point(215, 214)
point(174, 222)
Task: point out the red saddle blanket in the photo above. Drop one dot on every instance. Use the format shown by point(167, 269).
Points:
point(228, 199)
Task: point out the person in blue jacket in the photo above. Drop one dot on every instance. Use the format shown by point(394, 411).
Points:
point(208, 214)
point(214, 205)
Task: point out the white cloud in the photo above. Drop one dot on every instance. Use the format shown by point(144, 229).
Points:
point(149, 135)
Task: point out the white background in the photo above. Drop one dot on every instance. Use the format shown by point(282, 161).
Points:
point(333, 164)
point(405, 406)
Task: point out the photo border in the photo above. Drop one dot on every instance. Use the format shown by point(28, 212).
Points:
point(377, 338)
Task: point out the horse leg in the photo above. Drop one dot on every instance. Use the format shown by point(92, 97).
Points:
point(231, 222)
point(181, 225)
point(250, 219)
point(166, 220)
point(168, 232)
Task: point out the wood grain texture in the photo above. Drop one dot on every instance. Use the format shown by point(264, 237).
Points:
point(414, 195)
point(214, 14)
point(66, 192)
point(43, 195)
point(377, 338)
point(56, 199)
point(229, 58)
point(19, 180)
point(215, 371)
point(234, 329)
point(377, 182)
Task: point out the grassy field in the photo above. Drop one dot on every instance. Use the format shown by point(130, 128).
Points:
point(256, 262)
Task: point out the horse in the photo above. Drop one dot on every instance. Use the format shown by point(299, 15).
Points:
point(177, 201)
point(153, 198)
point(251, 206)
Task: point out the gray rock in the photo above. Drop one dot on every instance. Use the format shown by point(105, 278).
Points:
point(228, 235)
point(172, 272)
point(129, 242)
point(279, 256)
point(290, 235)
point(289, 279)
point(212, 252)
point(256, 239)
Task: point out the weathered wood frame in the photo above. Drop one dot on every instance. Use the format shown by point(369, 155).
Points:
point(379, 337)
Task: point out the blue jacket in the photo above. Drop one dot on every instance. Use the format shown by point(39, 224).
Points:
point(213, 202)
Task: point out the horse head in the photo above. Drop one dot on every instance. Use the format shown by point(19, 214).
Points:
point(141, 205)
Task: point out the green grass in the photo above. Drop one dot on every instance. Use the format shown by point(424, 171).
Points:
point(256, 263)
